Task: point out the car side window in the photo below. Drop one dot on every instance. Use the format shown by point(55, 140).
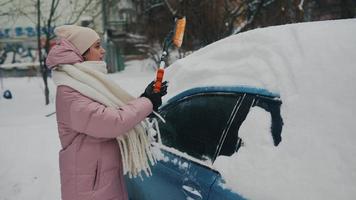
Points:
point(194, 125)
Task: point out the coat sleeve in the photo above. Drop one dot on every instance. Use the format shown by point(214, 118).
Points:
point(96, 120)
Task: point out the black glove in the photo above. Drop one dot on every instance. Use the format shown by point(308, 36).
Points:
point(155, 98)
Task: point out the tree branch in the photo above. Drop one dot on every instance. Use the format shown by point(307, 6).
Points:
point(6, 2)
point(170, 8)
point(86, 5)
point(20, 11)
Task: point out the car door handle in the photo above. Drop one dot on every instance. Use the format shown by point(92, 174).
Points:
point(192, 192)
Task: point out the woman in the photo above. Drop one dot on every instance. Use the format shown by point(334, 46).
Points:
point(100, 125)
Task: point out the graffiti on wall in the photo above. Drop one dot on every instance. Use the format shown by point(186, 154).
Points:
point(19, 44)
point(18, 53)
point(21, 32)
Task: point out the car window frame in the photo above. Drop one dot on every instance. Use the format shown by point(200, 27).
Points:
point(235, 95)
point(256, 97)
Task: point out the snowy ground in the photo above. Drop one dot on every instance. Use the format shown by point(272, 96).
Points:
point(312, 66)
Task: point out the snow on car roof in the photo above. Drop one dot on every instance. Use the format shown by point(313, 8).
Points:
point(265, 58)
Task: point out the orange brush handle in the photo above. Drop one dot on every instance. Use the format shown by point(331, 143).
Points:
point(179, 32)
point(159, 78)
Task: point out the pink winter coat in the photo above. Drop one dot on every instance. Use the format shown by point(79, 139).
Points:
point(90, 161)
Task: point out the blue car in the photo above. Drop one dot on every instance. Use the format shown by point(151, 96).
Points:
point(201, 124)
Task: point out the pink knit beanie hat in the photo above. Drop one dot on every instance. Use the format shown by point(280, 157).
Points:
point(81, 37)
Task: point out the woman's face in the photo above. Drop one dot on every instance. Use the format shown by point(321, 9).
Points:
point(95, 52)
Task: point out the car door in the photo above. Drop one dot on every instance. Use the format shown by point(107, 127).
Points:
point(190, 138)
point(198, 128)
point(165, 183)
point(194, 126)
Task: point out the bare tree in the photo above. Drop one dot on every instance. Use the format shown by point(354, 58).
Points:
point(50, 13)
point(2, 5)
point(47, 24)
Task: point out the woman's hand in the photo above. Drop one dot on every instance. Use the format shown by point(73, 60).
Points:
point(155, 98)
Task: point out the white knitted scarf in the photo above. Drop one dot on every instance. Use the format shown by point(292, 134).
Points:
point(90, 79)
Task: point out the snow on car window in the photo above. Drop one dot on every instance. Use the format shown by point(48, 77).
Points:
point(314, 67)
point(258, 142)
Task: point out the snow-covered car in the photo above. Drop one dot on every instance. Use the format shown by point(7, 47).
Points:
point(203, 123)
point(199, 125)
point(265, 114)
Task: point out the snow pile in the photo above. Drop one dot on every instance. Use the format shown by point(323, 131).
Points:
point(312, 67)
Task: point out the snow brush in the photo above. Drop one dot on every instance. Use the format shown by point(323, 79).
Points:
point(174, 37)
